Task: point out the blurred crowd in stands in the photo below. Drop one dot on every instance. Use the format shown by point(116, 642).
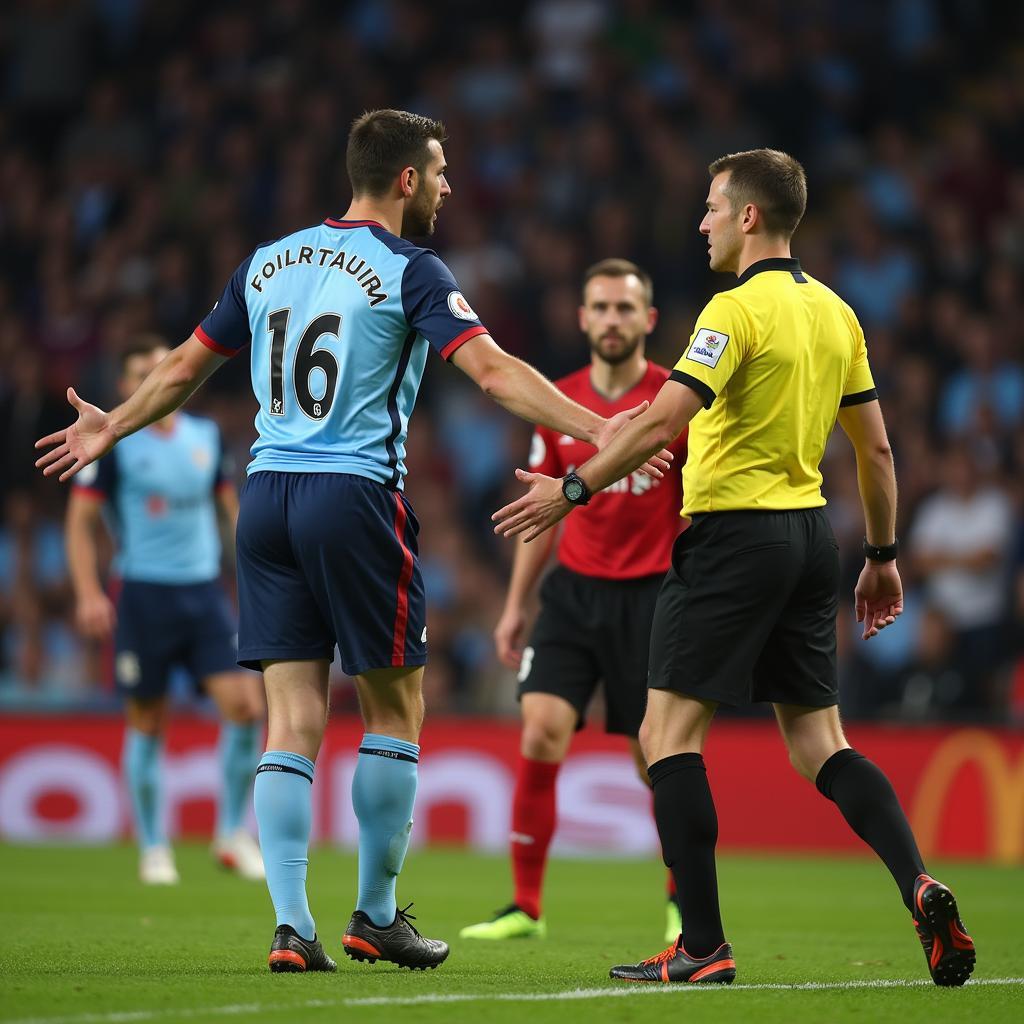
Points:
point(146, 147)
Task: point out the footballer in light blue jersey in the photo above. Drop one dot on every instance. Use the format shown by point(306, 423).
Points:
point(160, 493)
point(159, 487)
point(341, 316)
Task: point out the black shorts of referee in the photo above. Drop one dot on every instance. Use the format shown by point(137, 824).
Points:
point(747, 611)
point(593, 631)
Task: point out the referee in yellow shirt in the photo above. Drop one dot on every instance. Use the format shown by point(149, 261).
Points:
point(748, 610)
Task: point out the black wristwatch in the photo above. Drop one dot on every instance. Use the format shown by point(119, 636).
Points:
point(575, 490)
point(885, 553)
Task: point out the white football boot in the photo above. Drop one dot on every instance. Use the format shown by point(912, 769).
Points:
point(156, 866)
point(240, 853)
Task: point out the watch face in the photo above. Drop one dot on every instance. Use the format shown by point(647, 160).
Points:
point(573, 490)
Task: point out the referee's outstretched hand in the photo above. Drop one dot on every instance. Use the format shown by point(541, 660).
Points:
point(878, 596)
point(537, 510)
point(73, 448)
point(657, 465)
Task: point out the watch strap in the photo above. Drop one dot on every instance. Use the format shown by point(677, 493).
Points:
point(881, 552)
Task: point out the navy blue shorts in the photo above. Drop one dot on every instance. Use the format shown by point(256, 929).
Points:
point(325, 559)
point(162, 625)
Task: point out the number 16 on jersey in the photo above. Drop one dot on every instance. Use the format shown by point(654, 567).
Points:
point(308, 360)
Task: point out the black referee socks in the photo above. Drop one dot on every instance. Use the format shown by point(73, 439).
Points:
point(688, 826)
point(871, 808)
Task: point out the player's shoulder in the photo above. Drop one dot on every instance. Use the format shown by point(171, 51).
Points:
point(834, 298)
point(400, 246)
point(422, 267)
point(727, 310)
point(656, 373)
point(269, 243)
point(393, 244)
point(824, 290)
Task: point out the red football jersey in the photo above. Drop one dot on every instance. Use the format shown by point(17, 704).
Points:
point(628, 529)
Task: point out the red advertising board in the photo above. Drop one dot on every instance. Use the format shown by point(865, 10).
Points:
point(962, 787)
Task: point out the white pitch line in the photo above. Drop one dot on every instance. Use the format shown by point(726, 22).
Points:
point(620, 992)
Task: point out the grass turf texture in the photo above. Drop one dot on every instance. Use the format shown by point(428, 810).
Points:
point(84, 943)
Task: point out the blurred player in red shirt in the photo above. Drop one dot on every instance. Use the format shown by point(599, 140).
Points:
point(597, 604)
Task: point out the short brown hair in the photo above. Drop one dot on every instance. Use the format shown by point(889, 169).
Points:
point(772, 180)
point(141, 345)
point(615, 267)
point(382, 142)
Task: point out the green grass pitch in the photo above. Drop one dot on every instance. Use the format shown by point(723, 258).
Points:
point(85, 943)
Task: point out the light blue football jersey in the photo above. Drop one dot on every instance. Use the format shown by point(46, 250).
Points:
point(159, 491)
point(340, 316)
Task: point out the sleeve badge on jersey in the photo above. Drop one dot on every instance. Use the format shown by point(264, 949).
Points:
point(707, 347)
point(460, 307)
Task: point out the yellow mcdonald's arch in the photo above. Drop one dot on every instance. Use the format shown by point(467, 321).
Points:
point(1004, 786)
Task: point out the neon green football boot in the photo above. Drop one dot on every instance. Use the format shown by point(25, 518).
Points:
point(673, 920)
point(510, 923)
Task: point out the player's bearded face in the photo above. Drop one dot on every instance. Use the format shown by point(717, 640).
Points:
point(421, 211)
point(615, 316)
point(614, 345)
point(432, 188)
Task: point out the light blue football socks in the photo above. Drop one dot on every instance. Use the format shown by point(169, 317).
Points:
point(239, 754)
point(282, 795)
point(140, 765)
point(383, 794)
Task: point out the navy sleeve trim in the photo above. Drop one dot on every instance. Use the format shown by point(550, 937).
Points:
point(859, 398)
point(707, 395)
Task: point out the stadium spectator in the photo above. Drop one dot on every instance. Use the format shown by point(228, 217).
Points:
point(962, 548)
point(989, 382)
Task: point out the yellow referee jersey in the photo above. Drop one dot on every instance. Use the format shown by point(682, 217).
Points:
point(773, 359)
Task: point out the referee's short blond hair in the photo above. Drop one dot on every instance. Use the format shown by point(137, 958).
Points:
point(773, 181)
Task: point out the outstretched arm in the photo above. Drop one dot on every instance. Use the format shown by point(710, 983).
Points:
point(544, 505)
point(528, 394)
point(95, 432)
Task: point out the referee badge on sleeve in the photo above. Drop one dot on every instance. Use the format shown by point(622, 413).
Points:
point(707, 347)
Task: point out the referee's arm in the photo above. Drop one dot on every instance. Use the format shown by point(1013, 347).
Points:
point(878, 596)
point(876, 475)
point(633, 446)
point(655, 428)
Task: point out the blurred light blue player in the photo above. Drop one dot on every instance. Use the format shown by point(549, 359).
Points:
point(161, 493)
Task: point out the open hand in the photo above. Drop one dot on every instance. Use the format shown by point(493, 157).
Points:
point(538, 510)
point(878, 596)
point(73, 448)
